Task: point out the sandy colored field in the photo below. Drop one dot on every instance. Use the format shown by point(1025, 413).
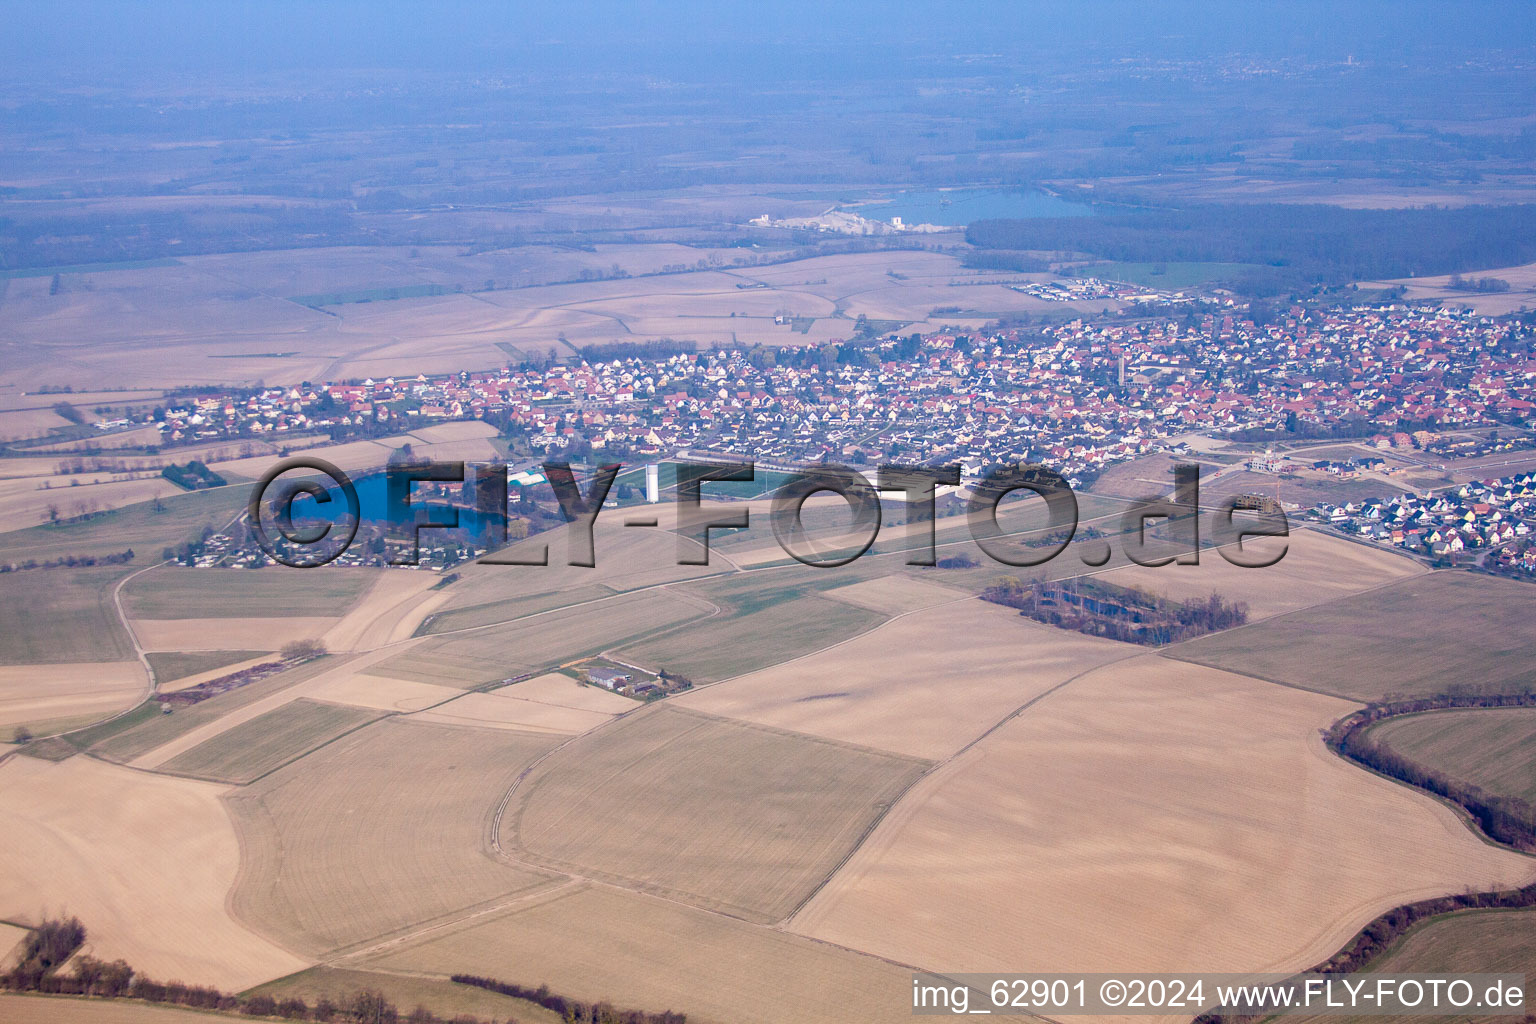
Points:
point(17, 1009)
point(145, 729)
point(895, 595)
point(539, 641)
point(499, 710)
point(908, 686)
point(24, 503)
point(827, 532)
point(39, 469)
point(1415, 636)
point(29, 468)
point(311, 683)
point(553, 702)
point(37, 693)
point(224, 633)
point(11, 400)
point(1493, 748)
point(827, 521)
point(451, 618)
point(225, 318)
point(595, 942)
point(403, 621)
point(21, 423)
point(351, 457)
point(1152, 475)
point(382, 829)
point(396, 600)
point(146, 863)
point(31, 500)
point(627, 558)
point(407, 991)
point(382, 692)
point(458, 430)
point(132, 437)
point(251, 749)
point(357, 456)
point(729, 816)
point(10, 938)
point(1521, 294)
point(563, 691)
point(1149, 813)
point(1316, 568)
point(473, 449)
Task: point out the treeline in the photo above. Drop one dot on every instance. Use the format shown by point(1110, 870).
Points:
point(1292, 246)
point(978, 259)
point(294, 652)
point(1485, 285)
point(64, 240)
point(571, 1010)
point(661, 348)
point(116, 464)
point(97, 979)
point(53, 942)
point(48, 946)
point(1507, 819)
point(1382, 933)
point(1350, 427)
point(70, 562)
point(1378, 936)
point(1117, 613)
point(194, 476)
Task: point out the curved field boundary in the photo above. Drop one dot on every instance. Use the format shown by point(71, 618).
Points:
point(1382, 933)
point(1502, 820)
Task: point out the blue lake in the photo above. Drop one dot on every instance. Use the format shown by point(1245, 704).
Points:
point(961, 206)
point(373, 504)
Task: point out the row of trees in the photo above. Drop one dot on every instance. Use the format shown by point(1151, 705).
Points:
point(1508, 819)
point(98, 464)
point(1292, 245)
point(302, 650)
point(78, 511)
point(292, 653)
point(48, 946)
point(572, 1011)
point(53, 942)
point(1117, 613)
point(1485, 285)
point(1378, 936)
point(70, 561)
point(660, 348)
point(98, 979)
point(1346, 737)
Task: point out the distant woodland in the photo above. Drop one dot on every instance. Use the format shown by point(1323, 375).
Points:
point(1291, 246)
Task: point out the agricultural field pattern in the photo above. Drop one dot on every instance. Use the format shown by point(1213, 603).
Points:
point(711, 512)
